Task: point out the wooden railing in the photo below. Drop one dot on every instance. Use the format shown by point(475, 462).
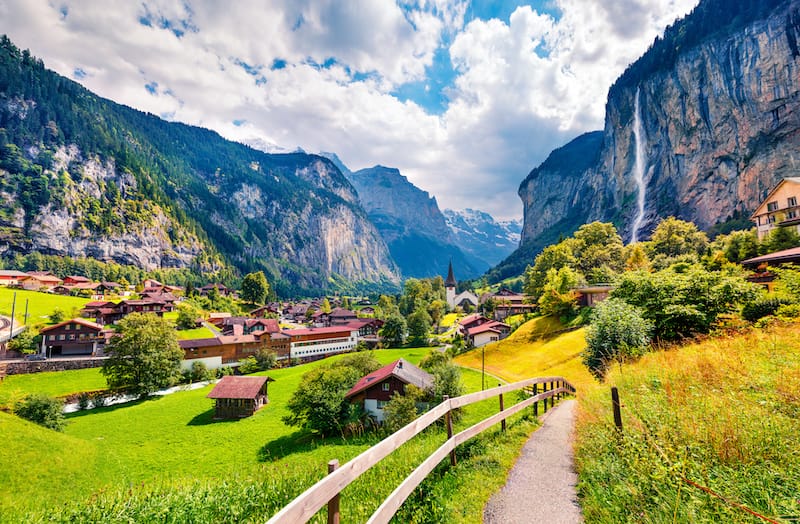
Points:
point(327, 490)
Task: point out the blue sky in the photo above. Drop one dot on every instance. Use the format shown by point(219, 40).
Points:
point(465, 98)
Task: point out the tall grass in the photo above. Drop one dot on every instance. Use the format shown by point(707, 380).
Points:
point(717, 417)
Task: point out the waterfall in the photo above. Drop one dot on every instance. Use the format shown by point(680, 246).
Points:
point(638, 168)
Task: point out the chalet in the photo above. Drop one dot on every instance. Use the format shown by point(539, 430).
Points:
point(367, 311)
point(779, 209)
point(220, 351)
point(10, 277)
point(62, 290)
point(313, 343)
point(321, 319)
point(161, 295)
point(151, 283)
point(92, 309)
point(73, 337)
point(340, 316)
point(218, 318)
point(760, 265)
point(108, 288)
point(373, 391)
point(368, 329)
point(471, 321)
point(487, 332)
point(509, 303)
point(249, 325)
point(239, 397)
point(74, 280)
point(263, 311)
point(589, 296)
point(111, 312)
point(223, 291)
point(41, 280)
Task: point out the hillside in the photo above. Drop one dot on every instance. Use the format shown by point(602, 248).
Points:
point(718, 106)
point(718, 418)
point(82, 175)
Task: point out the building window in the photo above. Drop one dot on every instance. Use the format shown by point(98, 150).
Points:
point(66, 328)
point(771, 219)
point(77, 327)
point(792, 201)
point(385, 386)
point(382, 403)
point(772, 206)
point(791, 214)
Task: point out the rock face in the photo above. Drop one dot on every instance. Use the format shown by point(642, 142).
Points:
point(481, 236)
point(83, 176)
point(410, 222)
point(722, 127)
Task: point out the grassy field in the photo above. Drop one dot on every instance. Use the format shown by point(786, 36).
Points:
point(723, 414)
point(152, 441)
point(167, 457)
point(40, 305)
point(531, 352)
point(54, 384)
point(201, 332)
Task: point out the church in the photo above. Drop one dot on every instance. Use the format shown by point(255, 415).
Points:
point(463, 299)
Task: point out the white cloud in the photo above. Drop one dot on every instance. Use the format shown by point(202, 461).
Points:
point(523, 86)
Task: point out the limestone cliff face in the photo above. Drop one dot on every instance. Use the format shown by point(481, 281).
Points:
point(64, 226)
point(722, 126)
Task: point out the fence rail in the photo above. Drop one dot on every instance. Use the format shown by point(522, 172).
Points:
point(327, 489)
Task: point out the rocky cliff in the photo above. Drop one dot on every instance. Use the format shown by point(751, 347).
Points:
point(83, 176)
point(720, 120)
point(411, 223)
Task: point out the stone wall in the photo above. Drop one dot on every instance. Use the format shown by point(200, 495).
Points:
point(20, 368)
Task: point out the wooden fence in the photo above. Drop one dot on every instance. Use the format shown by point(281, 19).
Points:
point(327, 490)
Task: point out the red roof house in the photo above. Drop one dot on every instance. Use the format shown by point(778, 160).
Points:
point(376, 389)
point(239, 397)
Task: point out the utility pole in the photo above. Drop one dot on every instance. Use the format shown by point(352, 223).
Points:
point(13, 308)
point(483, 367)
point(26, 312)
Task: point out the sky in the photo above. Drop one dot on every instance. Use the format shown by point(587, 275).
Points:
point(465, 98)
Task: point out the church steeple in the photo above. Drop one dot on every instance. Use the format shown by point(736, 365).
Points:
point(451, 280)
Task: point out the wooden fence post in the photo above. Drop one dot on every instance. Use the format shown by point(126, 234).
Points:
point(333, 504)
point(544, 390)
point(502, 407)
point(449, 423)
point(558, 386)
point(536, 404)
point(615, 404)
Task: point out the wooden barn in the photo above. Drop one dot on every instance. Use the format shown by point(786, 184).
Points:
point(239, 397)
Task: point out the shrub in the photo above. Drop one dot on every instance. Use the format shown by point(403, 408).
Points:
point(43, 410)
point(200, 372)
point(763, 307)
point(401, 409)
point(788, 310)
point(248, 365)
point(617, 331)
point(83, 400)
point(99, 400)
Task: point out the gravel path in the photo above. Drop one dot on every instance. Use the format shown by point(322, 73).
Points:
point(541, 485)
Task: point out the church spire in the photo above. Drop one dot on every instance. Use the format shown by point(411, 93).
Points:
point(451, 280)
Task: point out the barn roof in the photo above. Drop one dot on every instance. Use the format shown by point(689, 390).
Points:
point(238, 387)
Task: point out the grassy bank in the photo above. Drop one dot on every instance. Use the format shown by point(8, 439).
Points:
point(40, 305)
point(54, 384)
point(719, 416)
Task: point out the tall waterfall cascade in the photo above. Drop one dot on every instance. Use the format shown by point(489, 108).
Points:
point(639, 166)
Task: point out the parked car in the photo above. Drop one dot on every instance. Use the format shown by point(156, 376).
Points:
point(36, 356)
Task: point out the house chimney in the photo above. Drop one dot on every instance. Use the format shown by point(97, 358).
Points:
point(400, 364)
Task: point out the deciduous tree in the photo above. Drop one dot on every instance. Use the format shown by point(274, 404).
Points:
point(144, 355)
point(255, 288)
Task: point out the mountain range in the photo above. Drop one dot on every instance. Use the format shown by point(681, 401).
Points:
point(84, 176)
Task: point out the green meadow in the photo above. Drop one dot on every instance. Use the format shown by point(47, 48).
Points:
point(40, 305)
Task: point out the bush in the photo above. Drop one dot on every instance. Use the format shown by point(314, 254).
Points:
point(617, 331)
point(200, 372)
point(83, 400)
point(401, 409)
point(43, 410)
point(788, 311)
point(99, 400)
point(763, 307)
